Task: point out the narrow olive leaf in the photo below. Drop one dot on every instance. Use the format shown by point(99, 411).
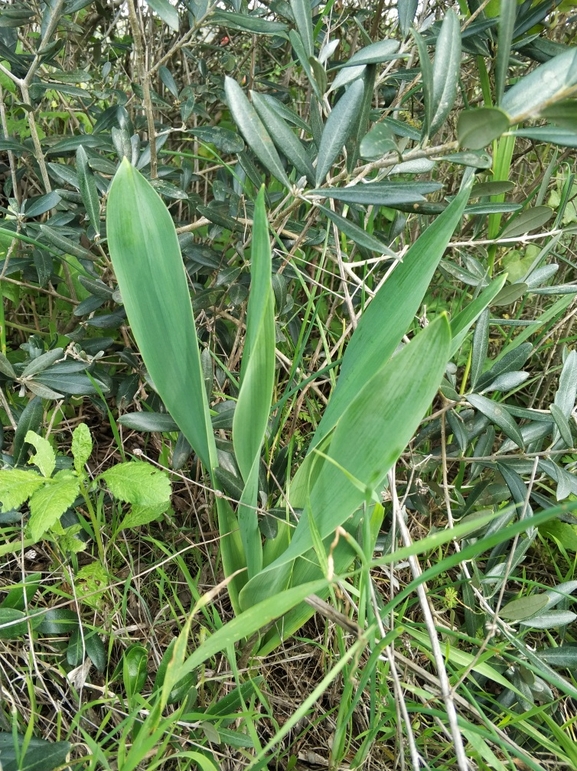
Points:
point(379, 141)
point(289, 145)
point(530, 219)
point(168, 79)
point(34, 207)
point(551, 82)
point(563, 113)
point(303, 17)
point(299, 49)
point(523, 608)
point(148, 421)
point(556, 136)
point(562, 424)
point(151, 277)
point(463, 321)
point(255, 134)
point(483, 189)
point(498, 415)
point(506, 382)
point(357, 234)
point(247, 23)
point(368, 439)
point(347, 75)
point(565, 656)
point(381, 51)
point(551, 619)
point(446, 69)
point(406, 11)
point(475, 160)
point(427, 78)
point(567, 390)
point(480, 347)
point(477, 128)
point(166, 11)
point(381, 193)
point(507, 18)
point(6, 367)
point(42, 362)
point(386, 320)
point(338, 128)
point(285, 112)
point(256, 384)
point(510, 294)
point(64, 244)
point(88, 189)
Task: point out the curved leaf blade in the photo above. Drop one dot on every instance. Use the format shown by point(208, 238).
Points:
point(446, 69)
point(338, 128)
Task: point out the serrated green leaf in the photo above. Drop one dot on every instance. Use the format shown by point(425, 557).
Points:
point(477, 128)
point(338, 128)
point(88, 189)
point(549, 83)
point(253, 130)
point(141, 515)
point(498, 415)
point(45, 457)
point(166, 11)
point(16, 486)
point(523, 608)
point(51, 501)
point(81, 447)
point(138, 483)
point(289, 145)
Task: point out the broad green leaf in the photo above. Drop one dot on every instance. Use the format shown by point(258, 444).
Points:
point(480, 347)
point(138, 483)
point(476, 160)
point(143, 514)
point(6, 368)
point(551, 134)
point(357, 234)
point(58, 621)
point(13, 624)
point(378, 142)
point(380, 193)
point(507, 16)
point(253, 130)
point(483, 189)
point(88, 190)
point(498, 415)
point(477, 128)
point(245, 625)
point(247, 23)
point(30, 420)
point(381, 51)
point(446, 69)
point(134, 669)
point(166, 11)
point(81, 447)
point(40, 755)
point(302, 12)
point(45, 457)
point(523, 608)
point(256, 384)
point(154, 285)
point(283, 137)
point(368, 439)
point(564, 656)
point(338, 128)
point(506, 382)
point(389, 315)
point(95, 650)
point(530, 219)
point(347, 75)
point(551, 82)
point(50, 502)
point(223, 139)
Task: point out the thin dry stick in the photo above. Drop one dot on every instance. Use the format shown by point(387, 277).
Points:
point(462, 762)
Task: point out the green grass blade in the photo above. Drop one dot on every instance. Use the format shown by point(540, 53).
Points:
point(148, 265)
point(367, 441)
point(389, 315)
